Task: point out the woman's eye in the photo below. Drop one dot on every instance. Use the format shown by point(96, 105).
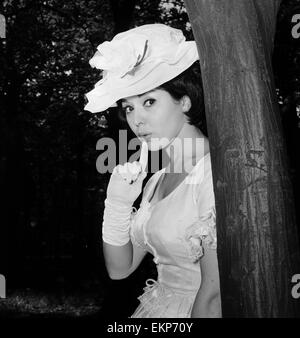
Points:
point(149, 102)
point(127, 109)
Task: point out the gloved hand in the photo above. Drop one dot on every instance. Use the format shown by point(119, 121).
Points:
point(126, 181)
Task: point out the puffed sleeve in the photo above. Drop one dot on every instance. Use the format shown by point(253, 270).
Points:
point(202, 234)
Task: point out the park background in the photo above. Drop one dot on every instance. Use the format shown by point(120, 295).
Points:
point(52, 194)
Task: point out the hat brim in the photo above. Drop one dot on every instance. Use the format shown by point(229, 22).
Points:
point(148, 76)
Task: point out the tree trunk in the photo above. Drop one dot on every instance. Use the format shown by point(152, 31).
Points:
point(258, 248)
point(123, 14)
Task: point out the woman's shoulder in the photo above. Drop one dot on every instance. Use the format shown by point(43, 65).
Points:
point(202, 182)
point(201, 172)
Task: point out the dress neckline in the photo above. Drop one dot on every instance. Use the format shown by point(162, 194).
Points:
point(156, 183)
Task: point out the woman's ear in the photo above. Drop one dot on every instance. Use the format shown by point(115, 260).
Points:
point(186, 103)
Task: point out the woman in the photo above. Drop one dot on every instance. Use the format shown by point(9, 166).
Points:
point(150, 73)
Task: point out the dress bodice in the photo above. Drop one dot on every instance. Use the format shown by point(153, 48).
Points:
point(172, 230)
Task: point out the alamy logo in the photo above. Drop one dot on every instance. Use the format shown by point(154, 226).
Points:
point(107, 160)
point(2, 26)
point(296, 288)
point(2, 287)
point(296, 28)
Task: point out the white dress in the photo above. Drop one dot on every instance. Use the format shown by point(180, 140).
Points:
point(173, 230)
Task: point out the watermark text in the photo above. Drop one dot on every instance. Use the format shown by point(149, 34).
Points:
point(2, 287)
point(296, 28)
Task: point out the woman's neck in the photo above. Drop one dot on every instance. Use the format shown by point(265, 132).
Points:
point(186, 149)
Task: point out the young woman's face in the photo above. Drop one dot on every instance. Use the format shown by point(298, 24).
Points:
point(154, 113)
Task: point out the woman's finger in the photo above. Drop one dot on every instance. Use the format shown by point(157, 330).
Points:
point(144, 155)
point(116, 170)
point(124, 171)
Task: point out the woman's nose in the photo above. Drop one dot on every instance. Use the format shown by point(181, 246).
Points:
point(139, 117)
point(138, 124)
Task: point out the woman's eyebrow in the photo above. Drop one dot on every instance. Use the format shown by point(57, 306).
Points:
point(139, 95)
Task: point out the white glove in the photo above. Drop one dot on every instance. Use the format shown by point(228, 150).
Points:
point(126, 181)
point(124, 187)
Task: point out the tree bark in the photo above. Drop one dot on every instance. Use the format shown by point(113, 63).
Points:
point(258, 246)
point(123, 14)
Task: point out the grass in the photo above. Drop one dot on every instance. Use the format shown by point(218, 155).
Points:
point(29, 302)
point(47, 289)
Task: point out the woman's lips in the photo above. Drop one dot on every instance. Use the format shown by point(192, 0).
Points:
point(146, 136)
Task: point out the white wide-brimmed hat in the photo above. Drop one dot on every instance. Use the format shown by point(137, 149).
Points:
point(137, 61)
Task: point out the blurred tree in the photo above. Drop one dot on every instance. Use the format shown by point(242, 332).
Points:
point(286, 65)
point(123, 11)
point(45, 74)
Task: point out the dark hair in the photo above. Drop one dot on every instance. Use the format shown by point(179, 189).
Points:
point(187, 83)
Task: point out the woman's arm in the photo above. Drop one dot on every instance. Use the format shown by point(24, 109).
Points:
point(121, 256)
point(208, 301)
point(121, 261)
